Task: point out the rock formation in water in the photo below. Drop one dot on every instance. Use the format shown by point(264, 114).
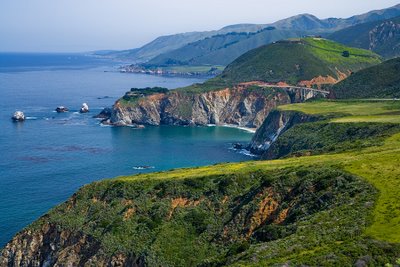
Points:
point(18, 116)
point(62, 109)
point(84, 108)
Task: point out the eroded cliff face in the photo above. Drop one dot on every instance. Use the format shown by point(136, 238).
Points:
point(383, 35)
point(242, 105)
point(274, 125)
point(48, 245)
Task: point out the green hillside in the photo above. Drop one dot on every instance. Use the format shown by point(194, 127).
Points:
point(296, 60)
point(380, 81)
point(382, 37)
point(332, 209)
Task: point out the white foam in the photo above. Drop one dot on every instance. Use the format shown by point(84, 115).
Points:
point(142, 167)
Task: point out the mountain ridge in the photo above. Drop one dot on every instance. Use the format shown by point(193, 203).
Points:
point(382, 37)
point(311, 26)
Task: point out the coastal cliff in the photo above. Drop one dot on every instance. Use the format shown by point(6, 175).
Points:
point(49, 245)
point(275, 124)
point(244, 105)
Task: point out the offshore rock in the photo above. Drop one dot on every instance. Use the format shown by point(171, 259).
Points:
point(18, 116)
point(61, 109)
point(104, 114)
point(84, 108)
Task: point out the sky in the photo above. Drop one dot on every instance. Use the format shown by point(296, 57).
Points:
point(87, 25)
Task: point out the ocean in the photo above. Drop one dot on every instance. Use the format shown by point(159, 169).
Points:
point(49, 156)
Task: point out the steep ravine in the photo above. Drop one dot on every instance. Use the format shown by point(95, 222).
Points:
point(275, 124)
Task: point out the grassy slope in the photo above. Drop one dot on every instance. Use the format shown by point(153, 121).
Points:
point(304, 60)
point(376, 164)
point(380, 81)
point(338, 232)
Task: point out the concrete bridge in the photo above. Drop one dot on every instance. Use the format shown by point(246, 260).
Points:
point(301, 93)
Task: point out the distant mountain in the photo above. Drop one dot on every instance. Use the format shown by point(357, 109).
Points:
point(382, 37)
point(380, 81)
point(222, 46)
point(310, 22)
point(221, 49)
point(168, 43)
point(315, 60)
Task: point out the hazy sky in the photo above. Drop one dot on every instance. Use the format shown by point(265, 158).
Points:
point(83, 25)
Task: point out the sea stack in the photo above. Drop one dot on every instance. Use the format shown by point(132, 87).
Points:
point(84, 108)
point(18, 116)
point(61, 109)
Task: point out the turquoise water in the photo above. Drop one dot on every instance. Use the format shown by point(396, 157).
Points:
point(48, 157)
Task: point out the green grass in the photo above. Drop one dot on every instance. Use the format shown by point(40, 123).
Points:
point(346, 107)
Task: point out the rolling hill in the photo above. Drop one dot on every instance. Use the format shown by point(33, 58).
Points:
point(380, 81)
point(382, 37)
point(296, 61)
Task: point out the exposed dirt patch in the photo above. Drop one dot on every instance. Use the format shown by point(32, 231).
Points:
point(318, 81)
point(267, 207)
point(182, 203)
point(282, 216)
point(129, 213)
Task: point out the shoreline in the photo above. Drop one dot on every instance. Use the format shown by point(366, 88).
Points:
point(247, 129)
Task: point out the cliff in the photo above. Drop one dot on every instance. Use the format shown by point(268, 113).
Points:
point(50, 245)
point(244, 105)
point(290, 131)
point(275, 124)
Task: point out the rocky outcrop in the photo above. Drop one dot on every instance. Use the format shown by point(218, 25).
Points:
point(50, 246)
point(385, 34)
point(243, 105)
point(84, 108)
point(274, 125)
point(62, 109)
point(104, 114)
point(18, 116)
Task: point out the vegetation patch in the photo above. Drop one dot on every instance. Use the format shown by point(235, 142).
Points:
point(381, 81)
point(326, 137)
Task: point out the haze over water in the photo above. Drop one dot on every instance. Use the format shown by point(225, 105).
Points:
point(48, 157)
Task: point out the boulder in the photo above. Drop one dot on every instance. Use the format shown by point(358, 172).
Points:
point(18, 116)
point(61, 109)
point(84, 108)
